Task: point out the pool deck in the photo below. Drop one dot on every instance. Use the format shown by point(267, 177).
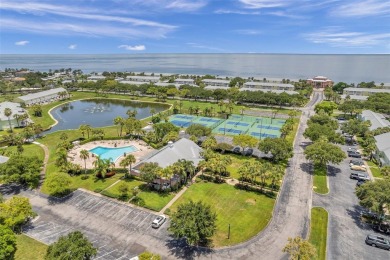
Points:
point(74, 154)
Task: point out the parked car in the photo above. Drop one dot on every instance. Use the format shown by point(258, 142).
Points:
point(383, 227)
point(360, 182)
point(357, 162)
point(236, 150)
point(378, 241)
point(354, 154)
point(353, 149)
point(157, 222)
point(248, 152)
point(358, 168)
point(359, 176)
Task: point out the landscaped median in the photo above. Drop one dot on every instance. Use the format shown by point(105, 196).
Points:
point(320, 180)
point(319, 231)
point(245, 212)
point(28, 248)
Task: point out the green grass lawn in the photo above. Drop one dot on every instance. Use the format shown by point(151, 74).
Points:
point(149, 199)
point(29, 150)
point(247, 212)
point(320, 180)
point(92, 183)
point(318, 231)
point(29, 249)
point(376, 172)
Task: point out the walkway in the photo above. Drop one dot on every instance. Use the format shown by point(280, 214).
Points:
point(45, 160)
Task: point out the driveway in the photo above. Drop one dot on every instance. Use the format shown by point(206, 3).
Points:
point(346, 233)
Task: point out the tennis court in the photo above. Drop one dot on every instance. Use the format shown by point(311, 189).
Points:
point(259, 127)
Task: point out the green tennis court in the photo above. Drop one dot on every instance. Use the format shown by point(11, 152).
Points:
point(259, 127)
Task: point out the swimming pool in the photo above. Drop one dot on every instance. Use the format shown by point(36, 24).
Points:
point(112, 153)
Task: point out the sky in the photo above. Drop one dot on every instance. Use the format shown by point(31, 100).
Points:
point(197, 26)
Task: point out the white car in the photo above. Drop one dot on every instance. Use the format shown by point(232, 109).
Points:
point(157, 222)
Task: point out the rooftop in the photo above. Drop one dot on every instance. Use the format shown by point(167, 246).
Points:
point(372, 90)
point(216, 81)
point(181, 149)
point(15, 108)
point(45, 93)
point(268, 84)
point(216, 87)
point(290, 92)
point(383, 142)
point(377, 120)
point(150, 78)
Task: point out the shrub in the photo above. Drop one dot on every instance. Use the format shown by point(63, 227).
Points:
point(85, 177)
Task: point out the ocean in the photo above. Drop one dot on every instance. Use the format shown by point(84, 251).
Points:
point(347, 68)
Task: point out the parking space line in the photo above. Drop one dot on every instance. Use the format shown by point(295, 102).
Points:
point(100, 201)
point(54, 226)
point(142, 221)
point(125, 216)
point(106, 254)
point(42, 225)
point(56, 233)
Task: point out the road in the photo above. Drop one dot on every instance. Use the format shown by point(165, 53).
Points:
point(129, 235)
point(346, 233)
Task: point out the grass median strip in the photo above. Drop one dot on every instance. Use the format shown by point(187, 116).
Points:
point(318, 231)
point(320, 181)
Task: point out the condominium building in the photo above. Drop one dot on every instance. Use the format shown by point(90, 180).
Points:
point(144, 79)
point(267, 86)
point(320, 82)
point(46, 96)
point(216, 82)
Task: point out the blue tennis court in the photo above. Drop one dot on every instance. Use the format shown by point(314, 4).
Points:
point(181, 123)
point(263, 135)
point(268, 127)
point(229, 130)
point(237, 123)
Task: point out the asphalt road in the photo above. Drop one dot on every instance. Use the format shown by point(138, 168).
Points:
point(346, 233)
point(122, 236)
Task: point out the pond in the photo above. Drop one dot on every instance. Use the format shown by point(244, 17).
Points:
point(99, 112)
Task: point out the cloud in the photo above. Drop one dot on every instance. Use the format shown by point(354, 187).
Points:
point(132, 48)
point(363, 8)
point(22, 43)
point(225, 11)
point(248, 32)
point(335, 37)
point(186, 5)
point(257, 4)
point(72, 46)
point(73, 18)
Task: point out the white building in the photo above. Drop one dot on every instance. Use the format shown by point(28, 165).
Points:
point(320, 82)
point(216, 87)
point(41, 97)
point(216, 82)
point(266, 86)
point(16, 109)
point(277, 91)
point(362, 93)
point(184, 81)
point(144, 79)
point(383, 148)
point(95, 78)
point(377, 120)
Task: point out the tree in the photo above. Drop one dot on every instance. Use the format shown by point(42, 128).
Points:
point(102, 167)
point(21, 169)
point(198, 130)
point(224, 147)
point(322, 152)
point(356, 127)
point(149, 172)
point(325, 106)
point(7, 242)
point(375, 195)
point(278, 147)
point(84, 155)
point(209, 143)
point(385, 171)
point(8, 113)
point(316, 131)
point(119, 121)
point(72, 246)
point(194, 221)
point(127, 162)
point(245, 141)
point(299, 249)
point(123, 190)
point(58, 183)
point(149, 256)
point(15, 212)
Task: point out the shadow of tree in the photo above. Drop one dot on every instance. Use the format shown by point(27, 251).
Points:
point(333, 170)
point(180, 249)
point(307, 167)
point(12, 189)
point(356, 216)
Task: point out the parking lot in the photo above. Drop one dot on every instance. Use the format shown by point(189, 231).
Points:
point(346, 232)
point(115, 228)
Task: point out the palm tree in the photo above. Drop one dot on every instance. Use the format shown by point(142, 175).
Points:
point(8, 113)
point(276, 174)
point(17, 118)
point(119, 121)
point(128, 161)
point(152, 111)
point(101, 167)
point(84, 155)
